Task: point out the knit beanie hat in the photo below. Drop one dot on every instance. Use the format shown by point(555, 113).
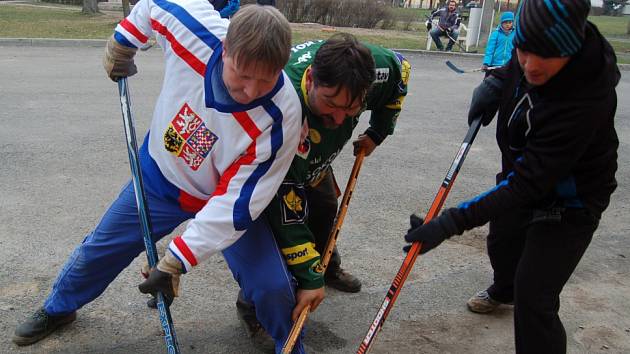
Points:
point(551, 28)
point(507, 16)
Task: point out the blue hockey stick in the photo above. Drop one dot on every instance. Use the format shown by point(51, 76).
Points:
point(143, 212)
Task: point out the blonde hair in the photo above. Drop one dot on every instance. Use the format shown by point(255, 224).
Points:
point(259, 35)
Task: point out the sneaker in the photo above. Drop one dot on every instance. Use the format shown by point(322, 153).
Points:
point(482, 303)
point(343, 281)
point(39, 326)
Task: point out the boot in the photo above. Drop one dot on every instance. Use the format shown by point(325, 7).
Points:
point(39, 326)
point(247, 316)
point(341, 280)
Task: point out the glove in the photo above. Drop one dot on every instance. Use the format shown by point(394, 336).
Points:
point(118, 60)
point(449, 30)
point(485, 101)
point(429, 25)
point(435, 231)
point(164, 278)
point(484, 67)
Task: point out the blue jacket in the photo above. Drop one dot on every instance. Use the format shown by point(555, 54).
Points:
point(226, 8)
point(500, 44)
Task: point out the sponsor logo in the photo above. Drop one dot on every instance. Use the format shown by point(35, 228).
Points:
point(300, 253)
point(304, 148)
point(294, 207)
point(188, 137)
point(304, 45)
point(382, 75)
point(314, 135)
point(317, 268)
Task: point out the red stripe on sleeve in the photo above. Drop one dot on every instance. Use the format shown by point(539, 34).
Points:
point(179, 49)
point(186, 252)
point(248, 124)
point(131, 28)
point(246, 159)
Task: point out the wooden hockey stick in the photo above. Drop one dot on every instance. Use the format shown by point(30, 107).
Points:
point(328, 251)
point(143, 212)
point(410, 259)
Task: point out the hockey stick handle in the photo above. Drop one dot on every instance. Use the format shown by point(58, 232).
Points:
point(410, 259)
point(143, 212)
point(328, 251)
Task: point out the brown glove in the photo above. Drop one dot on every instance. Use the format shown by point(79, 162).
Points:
point(164, 279)
point(118, 60)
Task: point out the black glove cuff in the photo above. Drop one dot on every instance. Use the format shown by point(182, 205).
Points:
point(374, 135)
point(452, 221)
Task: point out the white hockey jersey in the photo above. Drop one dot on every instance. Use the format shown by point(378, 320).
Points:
point(229, 159)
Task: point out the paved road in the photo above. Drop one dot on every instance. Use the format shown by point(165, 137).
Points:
point(63, 160)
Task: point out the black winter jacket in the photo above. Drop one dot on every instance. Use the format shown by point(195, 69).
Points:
point(558, 141)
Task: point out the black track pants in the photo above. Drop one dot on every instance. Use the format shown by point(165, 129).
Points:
point(322, 208)
point(532, 262)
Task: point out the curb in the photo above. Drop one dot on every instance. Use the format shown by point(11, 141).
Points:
point(51, 42)
point(56, 42)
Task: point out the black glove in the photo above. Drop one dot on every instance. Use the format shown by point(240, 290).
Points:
point(485, 101)
point(429, 25)
point(435, 231)
point(159, 281)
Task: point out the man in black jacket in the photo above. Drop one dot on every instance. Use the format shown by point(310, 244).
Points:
point(556, 104)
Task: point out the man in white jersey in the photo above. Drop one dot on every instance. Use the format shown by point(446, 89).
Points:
point(224, 132)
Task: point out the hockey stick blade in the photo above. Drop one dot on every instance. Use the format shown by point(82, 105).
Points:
point(454, 68)
point(462, 71)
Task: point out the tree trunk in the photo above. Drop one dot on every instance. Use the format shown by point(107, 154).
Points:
point(126, 8)
point(628, 28)
point(90, 7)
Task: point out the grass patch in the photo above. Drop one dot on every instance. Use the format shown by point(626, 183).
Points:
point(23, 21)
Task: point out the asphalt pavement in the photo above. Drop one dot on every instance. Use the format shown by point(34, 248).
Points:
point(64, 160)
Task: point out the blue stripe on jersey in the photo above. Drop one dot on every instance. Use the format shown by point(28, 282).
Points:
point(242, 217)
point(123, 40)
point(468, 203)
point(190, 22)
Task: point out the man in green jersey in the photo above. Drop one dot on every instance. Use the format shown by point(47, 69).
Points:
point(336, 80)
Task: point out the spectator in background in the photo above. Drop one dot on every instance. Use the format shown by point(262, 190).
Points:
point(226, 8)
point(448, 26)
point(499, 48)
point(266, 2)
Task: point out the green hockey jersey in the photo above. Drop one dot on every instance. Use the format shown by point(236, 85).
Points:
point(288, 211)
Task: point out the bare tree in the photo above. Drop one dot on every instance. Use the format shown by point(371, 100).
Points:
point(90, 7)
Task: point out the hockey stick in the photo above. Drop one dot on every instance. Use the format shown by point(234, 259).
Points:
point(405, 269)
point(143, 211)
point(462, 71)
point(459, 45)
point(328, 251)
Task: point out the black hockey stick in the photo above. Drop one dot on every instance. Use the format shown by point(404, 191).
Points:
point(459, 45)
point(410, 259)
point(462, 71)
point(143, 212)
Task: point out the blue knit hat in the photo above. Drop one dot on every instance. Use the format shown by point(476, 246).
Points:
point(551, 28)
point(507, 16)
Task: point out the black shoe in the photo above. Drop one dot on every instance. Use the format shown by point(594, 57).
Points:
point(39, 326)
point(247, 316)
point(246, 313)
point(152, 303)
point(343, 281)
